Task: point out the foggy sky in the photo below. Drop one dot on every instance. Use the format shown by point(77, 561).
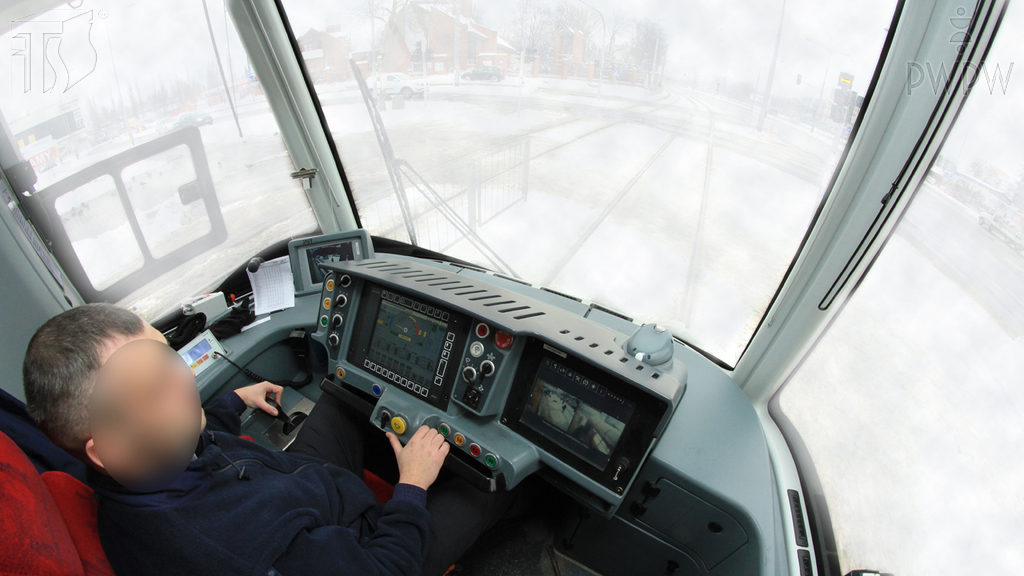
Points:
point(710, 41)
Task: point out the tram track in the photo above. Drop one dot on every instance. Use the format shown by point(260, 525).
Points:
point(619, 116)
point(692, 268)
point(590, 229)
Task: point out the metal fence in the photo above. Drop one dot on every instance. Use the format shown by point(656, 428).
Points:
point(451, 202)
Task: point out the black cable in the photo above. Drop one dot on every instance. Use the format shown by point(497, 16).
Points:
point(257, 378)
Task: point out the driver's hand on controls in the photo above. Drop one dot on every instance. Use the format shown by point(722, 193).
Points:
point(255, 396)
point(421, 458)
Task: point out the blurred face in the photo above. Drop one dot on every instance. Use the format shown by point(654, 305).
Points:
point(145, 413)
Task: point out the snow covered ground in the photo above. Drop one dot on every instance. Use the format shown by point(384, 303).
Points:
point(913, 413)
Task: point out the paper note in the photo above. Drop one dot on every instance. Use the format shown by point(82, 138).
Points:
point(256, 323)
point(272, 286)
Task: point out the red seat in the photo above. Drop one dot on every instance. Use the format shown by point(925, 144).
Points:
point(48, 522)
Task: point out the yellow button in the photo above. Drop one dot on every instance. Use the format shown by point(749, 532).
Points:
point(459, 439)
point(330, 285)
point(327, 303)
point(398, 425)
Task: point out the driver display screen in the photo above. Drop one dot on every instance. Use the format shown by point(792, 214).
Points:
point(575, 412)
point(411, 344)
point(318, 255)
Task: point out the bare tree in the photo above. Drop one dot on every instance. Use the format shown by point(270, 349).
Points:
point(573, 15)
point(648, 46)
point(617, 22)
point(530, 26)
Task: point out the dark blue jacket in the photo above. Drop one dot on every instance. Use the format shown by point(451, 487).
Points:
point(242, 509)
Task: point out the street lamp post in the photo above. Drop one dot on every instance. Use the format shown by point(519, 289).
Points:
point(771, 72)
point(821, 93)
point(604, 40)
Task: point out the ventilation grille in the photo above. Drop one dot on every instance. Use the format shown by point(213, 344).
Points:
point(517, 307)
point(456, 287)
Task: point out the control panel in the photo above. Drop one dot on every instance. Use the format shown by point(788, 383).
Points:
point(516, 385)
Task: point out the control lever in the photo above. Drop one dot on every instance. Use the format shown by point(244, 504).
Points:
point(620, 466)
point(290, 422)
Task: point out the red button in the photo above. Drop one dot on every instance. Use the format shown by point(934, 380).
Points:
point(474, 450)
point(502, 340)
point(482, 330)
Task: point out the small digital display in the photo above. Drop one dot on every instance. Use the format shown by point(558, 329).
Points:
point(411, 344)
point(196, 353)
point(317, 255)
point(575, 412)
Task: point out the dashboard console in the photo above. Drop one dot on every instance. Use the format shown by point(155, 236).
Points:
point(516, 385)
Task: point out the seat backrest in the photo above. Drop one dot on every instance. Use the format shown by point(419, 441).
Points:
point(47, 523)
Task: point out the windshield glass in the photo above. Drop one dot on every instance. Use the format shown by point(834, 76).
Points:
point(662, 159)
point(85, 86)
point(911, 405)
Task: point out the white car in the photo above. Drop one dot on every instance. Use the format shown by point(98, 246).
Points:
point(398, 83)
point(166, 125)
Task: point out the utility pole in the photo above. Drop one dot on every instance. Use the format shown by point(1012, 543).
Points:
point(771, 72)
point(654, 62)
point(604, 40)
point(458, 28)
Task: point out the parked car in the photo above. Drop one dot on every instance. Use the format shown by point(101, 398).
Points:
point(398, 83)
point(489, 73)
point(1003, 228)
point(193, 119)
point(165, 125)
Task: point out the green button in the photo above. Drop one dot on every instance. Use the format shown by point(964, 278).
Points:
point(490, 460)
point(444, 430)
point(323, 321)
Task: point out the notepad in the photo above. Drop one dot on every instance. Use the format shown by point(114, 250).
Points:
point(272, 286)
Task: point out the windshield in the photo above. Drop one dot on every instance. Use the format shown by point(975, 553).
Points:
point(85, 86)
point(661, 159)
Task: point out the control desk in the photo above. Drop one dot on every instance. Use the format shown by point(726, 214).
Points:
point(517, 385)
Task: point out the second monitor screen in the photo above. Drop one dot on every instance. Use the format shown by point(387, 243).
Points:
point(324, 255)
point(576, 413)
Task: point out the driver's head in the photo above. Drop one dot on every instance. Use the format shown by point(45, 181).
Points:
point(141, 391)
point(144, 415)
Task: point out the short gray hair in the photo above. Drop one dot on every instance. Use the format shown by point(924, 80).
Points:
point(60, 367)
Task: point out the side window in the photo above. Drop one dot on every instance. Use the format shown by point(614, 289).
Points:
point(911, 404)
point(159, 166)
point(123, 220)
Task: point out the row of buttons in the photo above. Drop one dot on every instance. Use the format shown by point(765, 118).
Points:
point(399, 425)
point(474, 449)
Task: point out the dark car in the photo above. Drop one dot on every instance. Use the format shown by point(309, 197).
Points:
point(489, 73)
point(193, 119)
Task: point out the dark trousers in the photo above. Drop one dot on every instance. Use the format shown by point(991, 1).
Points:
point(459, 513)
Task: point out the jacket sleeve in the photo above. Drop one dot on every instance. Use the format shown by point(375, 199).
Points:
point(223, 414)
point(397, 548)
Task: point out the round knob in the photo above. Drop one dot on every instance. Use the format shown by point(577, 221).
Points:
point(469, 374)
point(333, 340)
point(336, 321)
point(486, 368)
point(340, 300)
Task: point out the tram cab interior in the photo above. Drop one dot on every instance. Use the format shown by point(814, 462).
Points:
point(736, 283)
